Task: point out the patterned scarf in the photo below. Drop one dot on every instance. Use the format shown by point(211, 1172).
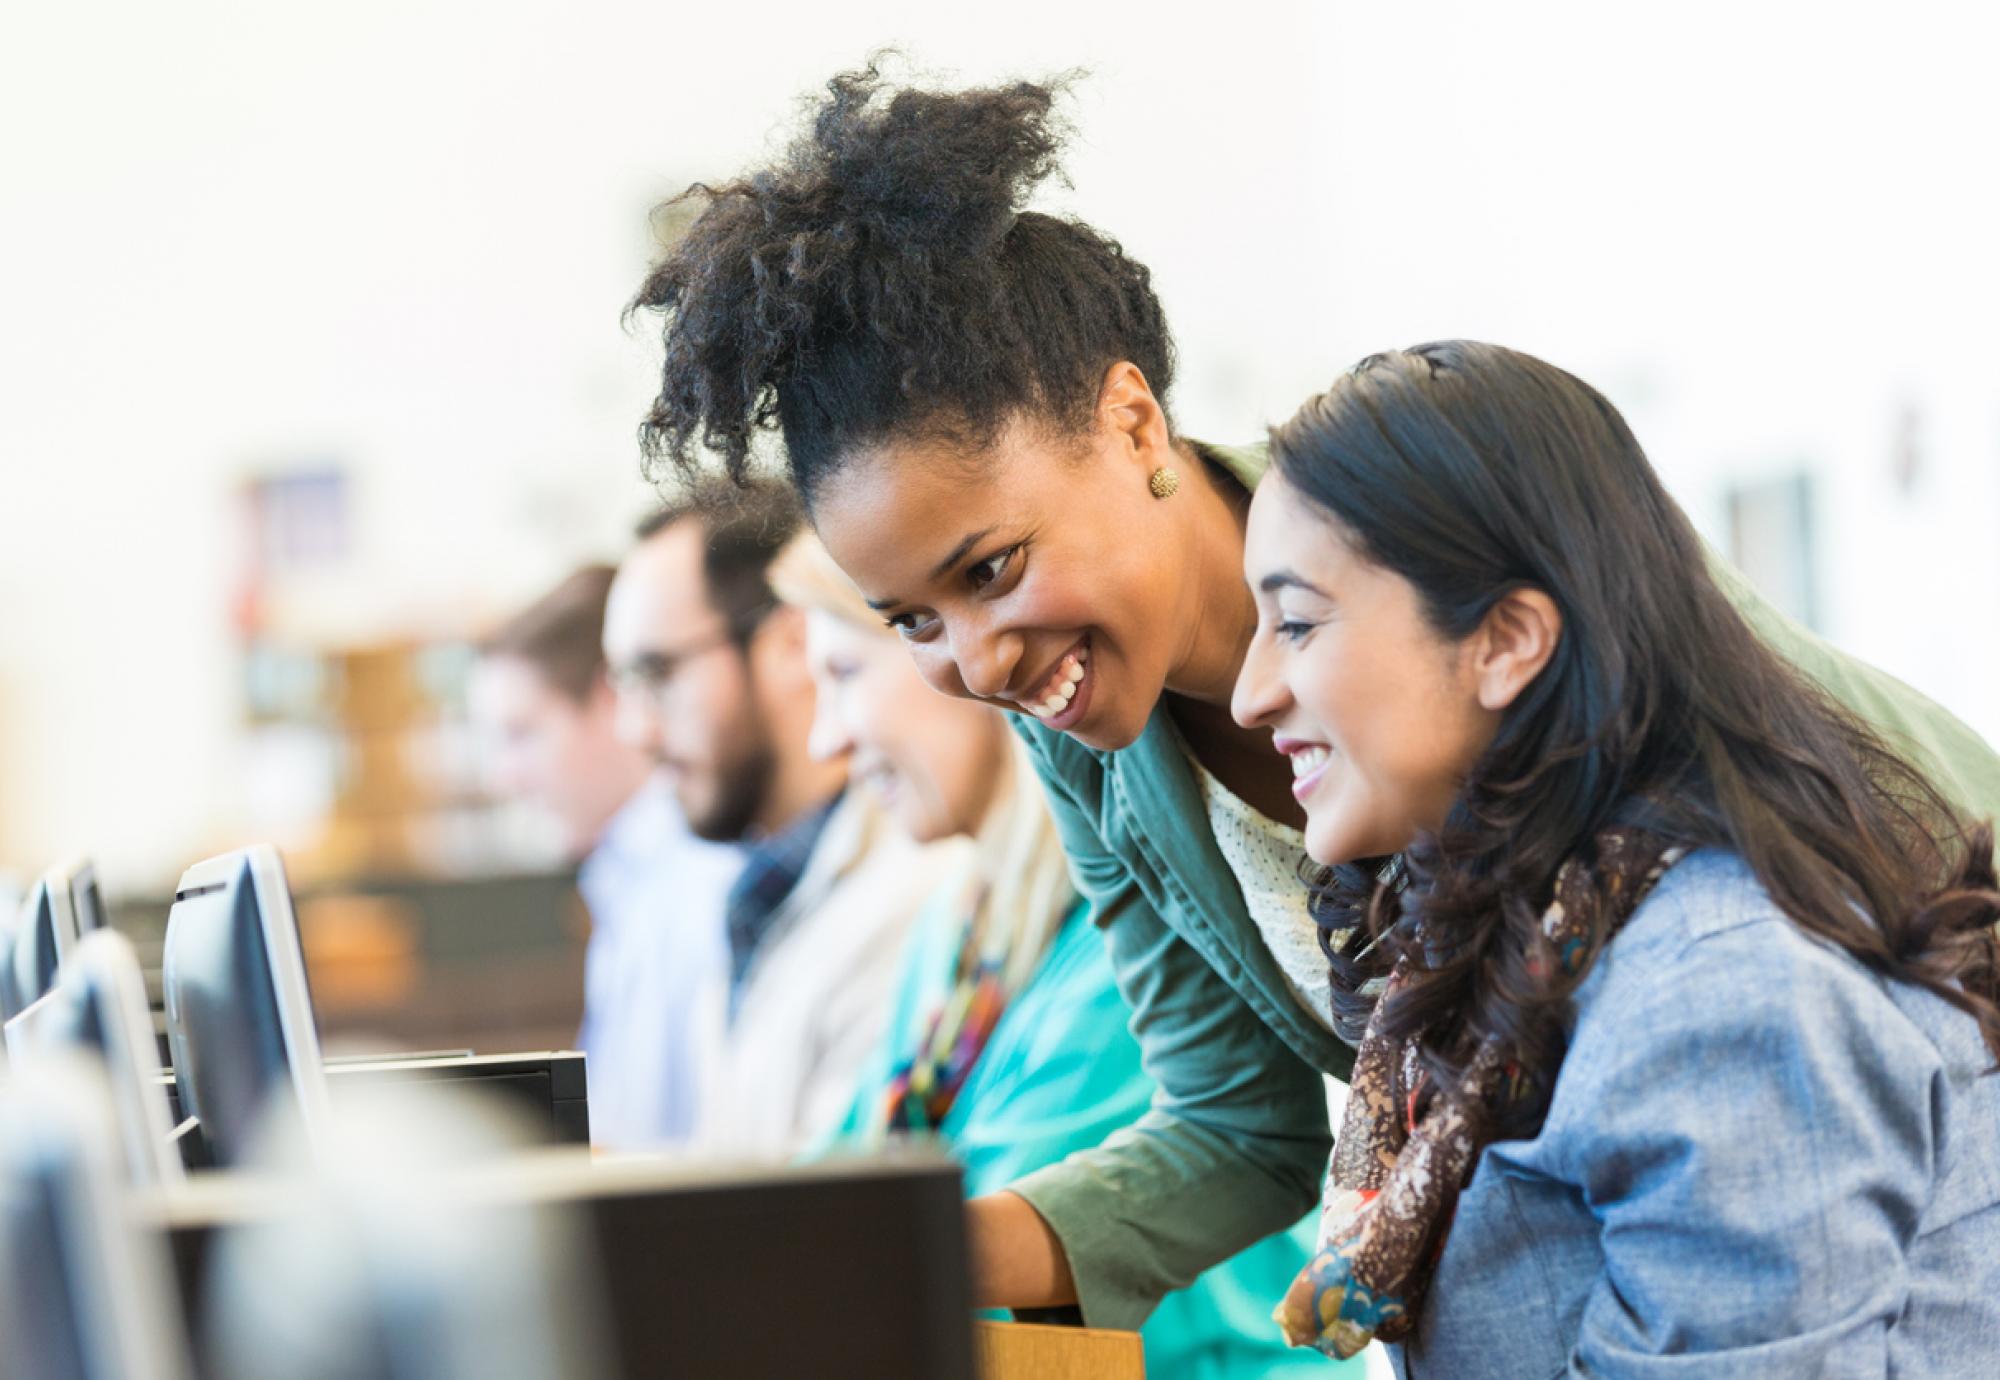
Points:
point(924, 1087)
point(1015, 901)
point(1395, 1177)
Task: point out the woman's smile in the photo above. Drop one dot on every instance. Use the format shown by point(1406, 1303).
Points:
point(1062, 697)
point(1309, 763)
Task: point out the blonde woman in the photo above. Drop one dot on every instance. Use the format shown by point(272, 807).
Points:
point(1007, 1040)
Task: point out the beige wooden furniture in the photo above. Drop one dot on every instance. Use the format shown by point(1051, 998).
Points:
point(1025, 1351)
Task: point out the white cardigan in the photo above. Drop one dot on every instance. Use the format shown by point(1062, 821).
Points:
point(815, 1001)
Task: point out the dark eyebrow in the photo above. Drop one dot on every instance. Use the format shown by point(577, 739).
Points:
point(1285, 579)
point(958, 553)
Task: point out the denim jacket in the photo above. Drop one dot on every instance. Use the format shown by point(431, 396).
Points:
point(1761, 1160)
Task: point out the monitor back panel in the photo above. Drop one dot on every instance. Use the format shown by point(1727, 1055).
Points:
point(224, 1028)
point(832, 1274)
point(848, 1280)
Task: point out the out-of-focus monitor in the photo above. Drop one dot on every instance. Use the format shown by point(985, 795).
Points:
point(695, 1270)
point(10, 920)
point(408, 1272)
point(84, 1293)
point(99, 1005)
point(64, 905)
point(43, 936)
point(239, 1012)
point(75, 887)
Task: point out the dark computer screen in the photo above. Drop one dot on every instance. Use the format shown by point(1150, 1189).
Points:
point(87, 900)
point(44, 1339)
point(9, 920)
point(222, 1013)
point(691, 1274)
point(838, 1272)
point(84, 1293)
point(28, 967)
point(98, 1007)
point(72, 1018)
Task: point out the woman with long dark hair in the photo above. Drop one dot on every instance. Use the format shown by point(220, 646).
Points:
point(1687, 978)
point(972, 399)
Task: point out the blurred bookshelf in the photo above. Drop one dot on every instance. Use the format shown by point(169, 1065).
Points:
point(433, 915)
point(363, 759)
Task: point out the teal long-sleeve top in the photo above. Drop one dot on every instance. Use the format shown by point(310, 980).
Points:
point(1235, 1141)
point(1060, 1072)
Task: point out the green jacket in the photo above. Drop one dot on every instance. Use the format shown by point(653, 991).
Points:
point(1237, 1136)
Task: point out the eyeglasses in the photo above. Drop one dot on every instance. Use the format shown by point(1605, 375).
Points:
point(654, 675)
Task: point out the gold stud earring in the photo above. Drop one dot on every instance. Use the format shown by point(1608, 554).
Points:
point(1164, 482)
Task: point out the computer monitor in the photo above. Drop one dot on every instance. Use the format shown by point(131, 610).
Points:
point(99, 1006)
point(76, 884)
point(64, 904)
point(84, 1293)
point(239, 1012)
point(11, 919)
point(697, 1268)
point(46, 930)
point(411, 1273)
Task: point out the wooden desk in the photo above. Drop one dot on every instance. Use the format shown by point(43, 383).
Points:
point(1026, 1351)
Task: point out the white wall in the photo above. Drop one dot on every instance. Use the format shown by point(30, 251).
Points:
point(1766, 230)
point(398, 237)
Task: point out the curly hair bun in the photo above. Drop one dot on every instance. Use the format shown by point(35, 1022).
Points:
point(929, 173)
point(882, 279)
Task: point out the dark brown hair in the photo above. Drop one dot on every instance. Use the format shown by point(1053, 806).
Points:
point(744, 526)
point(561, 634)
point(1470, 471)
